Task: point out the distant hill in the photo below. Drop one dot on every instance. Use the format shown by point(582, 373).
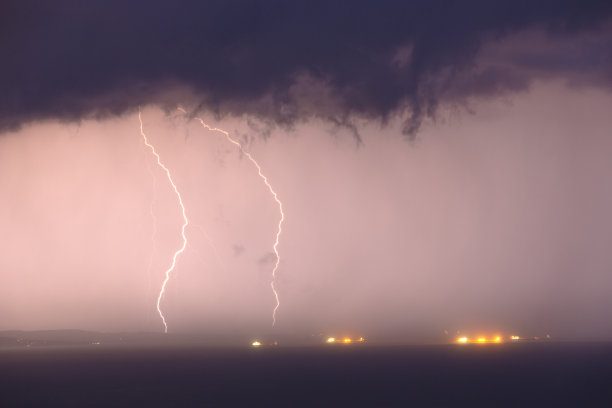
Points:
point(71, 338)
point(20, 338)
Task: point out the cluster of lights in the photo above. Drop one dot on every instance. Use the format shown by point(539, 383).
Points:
point(499, 339)
point(496, 339)
point(257, 343)
point(345, 340)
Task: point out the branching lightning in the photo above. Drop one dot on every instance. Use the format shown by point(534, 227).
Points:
point(185, 223)
point(274, 195)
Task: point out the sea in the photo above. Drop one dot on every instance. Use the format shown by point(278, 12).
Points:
point(547, 374)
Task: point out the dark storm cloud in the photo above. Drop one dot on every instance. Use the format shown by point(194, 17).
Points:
point(284, 60)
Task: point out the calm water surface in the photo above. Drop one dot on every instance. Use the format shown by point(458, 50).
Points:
point(516, 375)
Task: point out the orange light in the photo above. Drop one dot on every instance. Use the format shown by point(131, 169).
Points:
point(497, 339)
point(360, 340)
point(347, 340)
point(482, 340)
point(462, 340)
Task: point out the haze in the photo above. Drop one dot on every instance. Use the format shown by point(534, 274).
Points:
point(441, 171)
point(490, 221)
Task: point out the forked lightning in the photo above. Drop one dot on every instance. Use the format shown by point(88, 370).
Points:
point(185, 223)
point(274, 195)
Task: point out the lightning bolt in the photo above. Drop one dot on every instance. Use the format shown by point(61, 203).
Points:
point(274, 195)
point(185, 222)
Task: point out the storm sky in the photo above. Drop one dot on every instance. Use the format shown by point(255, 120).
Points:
point(443, 166)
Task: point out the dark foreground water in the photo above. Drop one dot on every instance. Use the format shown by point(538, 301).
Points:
point(519, 375)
